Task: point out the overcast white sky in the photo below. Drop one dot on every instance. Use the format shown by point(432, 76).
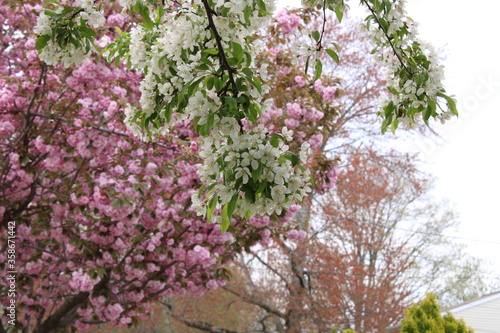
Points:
point(467, 161)
point(467, 164)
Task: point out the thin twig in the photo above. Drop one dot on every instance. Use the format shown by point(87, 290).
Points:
point(388, 37)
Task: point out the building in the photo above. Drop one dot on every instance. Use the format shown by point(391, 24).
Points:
point(482, 314)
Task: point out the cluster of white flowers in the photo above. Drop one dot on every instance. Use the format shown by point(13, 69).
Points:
point(425, 81)
point(251, 165)
point(236, 161)
point(93, 16)
point(68, 54)
point(171, 54)
point(52, 53)
point(197, 67)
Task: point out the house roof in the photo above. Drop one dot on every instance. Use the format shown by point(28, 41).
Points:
point(459, 308)
point(472, 303)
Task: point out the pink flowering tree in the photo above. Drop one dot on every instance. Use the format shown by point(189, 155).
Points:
point(102, 223)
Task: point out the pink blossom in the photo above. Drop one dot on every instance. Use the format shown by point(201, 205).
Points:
point(284, 71)
point(212, 284)
point(314, 115)
point(294, 208)
point(294, 110)
point(291, 123)
point(287, 22)
point(6, 129)
point(81, 326)
point(329, 93)
point(300, 81)
point(266, 237)
point(112, 312)
point(316, 140)
point(296, 234)
point(82, 282)
point(318, 86)
point(274, 52)
point(125, 320)
point(33, 268)
point(259, 222)
point(117, 20)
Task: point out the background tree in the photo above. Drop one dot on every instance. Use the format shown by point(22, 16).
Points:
point(426, 317)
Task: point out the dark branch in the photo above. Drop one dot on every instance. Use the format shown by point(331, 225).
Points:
point(255, 301)
point(198, 324)
point(389, 39)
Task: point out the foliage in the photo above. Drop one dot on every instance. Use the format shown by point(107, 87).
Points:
point(426, 317)
point(205, 72)
point(104, 223)
point(108, 223)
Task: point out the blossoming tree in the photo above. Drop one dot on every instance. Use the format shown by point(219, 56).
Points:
point(106, 223)
point(103, 222)
point(198, 63)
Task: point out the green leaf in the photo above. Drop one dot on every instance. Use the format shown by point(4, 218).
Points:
point(41, 42)
point(249, 194)
point(451, 103)
point(256, 173)
point(339, 12)
point(248, 72)
point(274, 141)
point(247, 12)
point(318, 68)
point(226, 218)
point(430, 110)
point(24, 159)
point(237, 51)
point(144, 11)
point(224, 224)
point(262, 7)
point(231, 206)
point(389, 109)
point(393, 90)
point(293, 158)
point(316, 35)
point(248, 214)
point(394, 125)
point(159, 14)
point(210, 82)
point(116, 203)
point(262, 187)
point(212, 51)
point(333, 55)
point(86, 31)
point(254, 112)
point(212, 204)
point(385, 124)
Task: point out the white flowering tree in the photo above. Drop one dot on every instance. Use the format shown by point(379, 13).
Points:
point(197, 59)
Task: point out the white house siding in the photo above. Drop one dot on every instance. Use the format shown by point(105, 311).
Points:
point(483, 314)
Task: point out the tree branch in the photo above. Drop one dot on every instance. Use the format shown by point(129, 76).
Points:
point(222, 55)
point(388, 37)
point(56, 321)
point(198, 324)
point(253, 300)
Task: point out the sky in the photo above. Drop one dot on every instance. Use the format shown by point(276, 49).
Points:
point(466, 159)
point(466, 164)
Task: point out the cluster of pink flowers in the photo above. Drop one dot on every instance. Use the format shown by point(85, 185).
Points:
point(101, 215)
point(288, 21)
